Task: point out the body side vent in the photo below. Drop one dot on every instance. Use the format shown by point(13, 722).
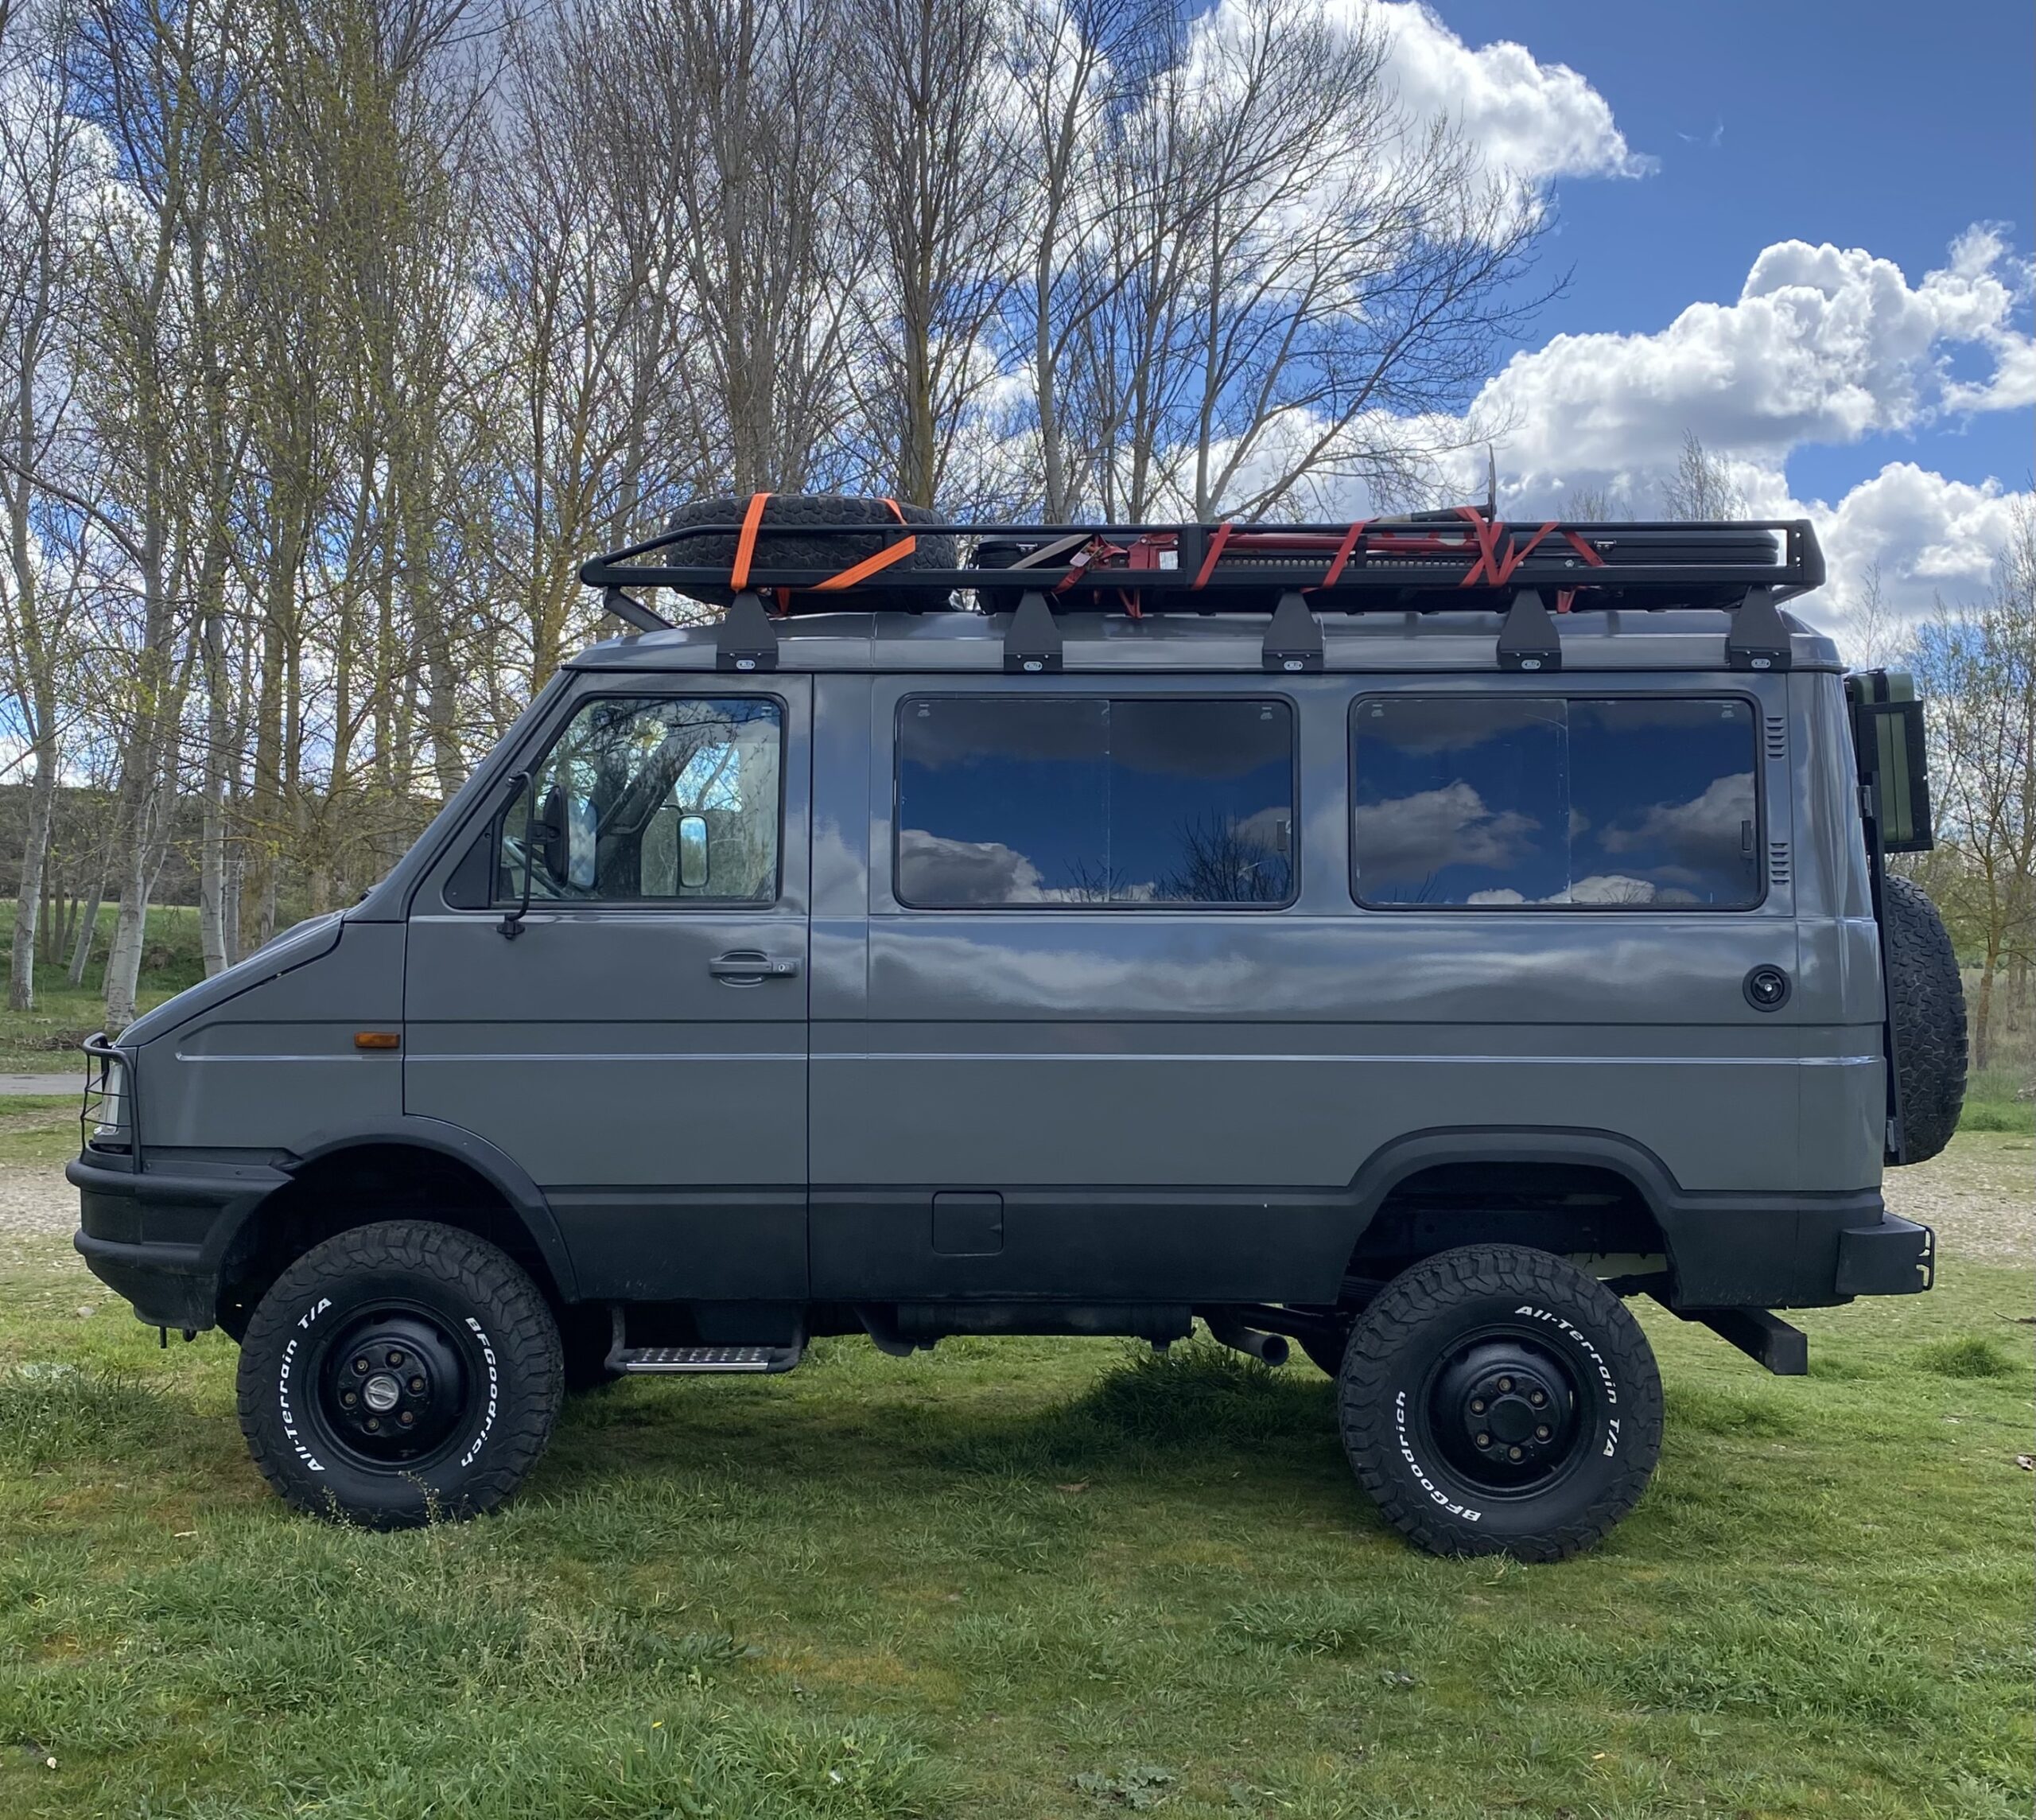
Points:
point(1777, 736)
point(1778, 870)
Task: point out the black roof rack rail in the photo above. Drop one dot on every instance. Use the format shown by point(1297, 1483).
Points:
point(1459, 559)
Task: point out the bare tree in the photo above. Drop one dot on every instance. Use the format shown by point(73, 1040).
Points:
point(1978, 668)
point(46, 170)
point(1701, 487)
point(936, 174)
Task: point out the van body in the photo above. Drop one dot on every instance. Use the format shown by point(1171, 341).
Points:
point(887, 992)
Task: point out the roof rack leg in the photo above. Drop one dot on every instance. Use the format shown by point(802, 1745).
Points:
point(1528, 640)
point(744, 639)
point(1031, 642)
point(1757, 640)
point(1293, 639)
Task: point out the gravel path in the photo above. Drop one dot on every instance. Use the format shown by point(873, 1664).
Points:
point(71, 1081)
point(1980, 1196)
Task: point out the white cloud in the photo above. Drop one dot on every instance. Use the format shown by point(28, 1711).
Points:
point(1824, 344)
point(1536, 121)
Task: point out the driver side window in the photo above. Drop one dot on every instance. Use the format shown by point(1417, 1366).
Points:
point(651, 799)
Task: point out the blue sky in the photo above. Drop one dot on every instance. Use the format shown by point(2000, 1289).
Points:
point(1691, 145)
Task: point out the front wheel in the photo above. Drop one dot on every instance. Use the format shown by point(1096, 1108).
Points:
point(1496, 1400)
point(399, 1373)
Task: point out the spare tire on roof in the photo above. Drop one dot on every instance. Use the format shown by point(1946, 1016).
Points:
point(1926, 1007)
point(831, 554)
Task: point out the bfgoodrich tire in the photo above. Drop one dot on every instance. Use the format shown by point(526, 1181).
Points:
point(830, 553)
point(1496, 1400)
point(1926, 1005)
point(399, 1373)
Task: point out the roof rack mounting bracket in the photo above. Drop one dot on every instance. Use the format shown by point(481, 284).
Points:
point(632, 612)
point(1031, 642)
point(1757, 640)
point(1528, 640)
point(1293, 638)
point(745, 639)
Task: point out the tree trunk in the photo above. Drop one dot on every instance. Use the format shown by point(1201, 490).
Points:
point(35, 851)
point(81, 955)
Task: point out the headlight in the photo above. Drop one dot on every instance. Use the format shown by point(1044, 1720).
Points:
point(106, 1107)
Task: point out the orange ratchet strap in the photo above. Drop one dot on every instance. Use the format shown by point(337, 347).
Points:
point(872, 565)
point(745, 545)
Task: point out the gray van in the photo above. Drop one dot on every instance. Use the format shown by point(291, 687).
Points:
point(1406, 940)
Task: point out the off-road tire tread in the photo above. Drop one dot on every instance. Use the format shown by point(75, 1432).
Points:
point(935, 552)
point(1926, 1005)
point(1428, 1289)
point(519, 1325)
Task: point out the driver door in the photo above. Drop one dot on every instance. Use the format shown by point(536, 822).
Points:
point(639, 1043)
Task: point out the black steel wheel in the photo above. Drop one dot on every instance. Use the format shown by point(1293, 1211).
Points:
point(399, 1373)
point(1495, 1399)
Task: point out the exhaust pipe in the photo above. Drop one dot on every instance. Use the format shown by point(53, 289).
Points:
point(1269, 1349)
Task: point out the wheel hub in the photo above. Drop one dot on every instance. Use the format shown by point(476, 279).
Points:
point(394, 1385)
point(1505, 1412)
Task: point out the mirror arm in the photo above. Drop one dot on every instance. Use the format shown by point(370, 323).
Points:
point(512, 925)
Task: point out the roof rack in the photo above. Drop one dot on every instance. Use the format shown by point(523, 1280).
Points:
point(1460, 559)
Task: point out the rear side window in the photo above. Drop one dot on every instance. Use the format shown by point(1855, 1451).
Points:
point(1017, 802)
point(1515, 802)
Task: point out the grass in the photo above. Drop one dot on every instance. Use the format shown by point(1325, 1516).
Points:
point(1998, 1099)
point(45, 1040)
point(1022, 1578)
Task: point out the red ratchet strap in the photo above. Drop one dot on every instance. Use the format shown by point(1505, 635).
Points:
point(1352, 538)
point(872, 565)
point(745, 544)
point(1493, 565)
point(1222, 536)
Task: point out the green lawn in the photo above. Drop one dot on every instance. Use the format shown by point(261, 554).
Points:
point(45, 1040)
point(1020, 1578)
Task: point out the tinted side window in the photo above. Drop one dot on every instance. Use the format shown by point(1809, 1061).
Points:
point(1517, 801)
point(651, 799)
point(1015, 801)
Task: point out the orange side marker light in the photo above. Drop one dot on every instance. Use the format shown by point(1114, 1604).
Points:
point(377, 1040)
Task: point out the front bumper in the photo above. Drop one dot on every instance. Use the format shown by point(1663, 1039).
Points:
point(159, 1239)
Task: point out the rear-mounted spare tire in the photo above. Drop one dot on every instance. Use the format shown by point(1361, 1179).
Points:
point(830, 555)
point(1926, 1007)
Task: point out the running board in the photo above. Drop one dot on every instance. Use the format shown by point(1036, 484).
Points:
point(661, 1359)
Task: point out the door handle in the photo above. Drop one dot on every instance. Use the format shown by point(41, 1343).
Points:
point(746, 967)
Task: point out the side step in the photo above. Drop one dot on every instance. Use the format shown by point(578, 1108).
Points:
point(704, 1359)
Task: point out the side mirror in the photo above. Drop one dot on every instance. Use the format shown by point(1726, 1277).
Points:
point(550, 834)
point(692, 852)
point(1890, 743)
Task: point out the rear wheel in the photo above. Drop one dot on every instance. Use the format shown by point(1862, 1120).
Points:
point(1496, 1400)
point(399, 1373)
